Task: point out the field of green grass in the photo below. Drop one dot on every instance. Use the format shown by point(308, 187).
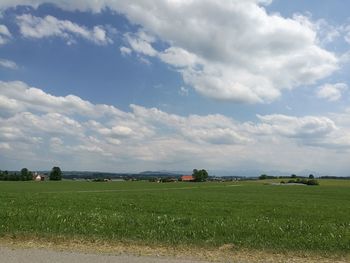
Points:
point(251, 215)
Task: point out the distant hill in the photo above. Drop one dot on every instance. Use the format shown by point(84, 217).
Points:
point(92, 175)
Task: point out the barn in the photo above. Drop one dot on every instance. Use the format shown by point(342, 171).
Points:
point(187, 178)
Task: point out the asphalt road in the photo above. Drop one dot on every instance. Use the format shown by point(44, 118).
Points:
point(10, 255)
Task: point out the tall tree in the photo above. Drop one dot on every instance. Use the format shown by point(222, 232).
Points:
point(24, 174)
point(29, 176)
point(200, 175)
point(56, 174)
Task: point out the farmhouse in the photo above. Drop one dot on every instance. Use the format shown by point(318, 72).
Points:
point(38, 177)
point(187, 178)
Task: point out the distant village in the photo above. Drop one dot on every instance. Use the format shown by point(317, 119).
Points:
point(159, 177)
point(156, 177)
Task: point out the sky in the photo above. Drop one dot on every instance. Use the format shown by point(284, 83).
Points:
point(232, 86)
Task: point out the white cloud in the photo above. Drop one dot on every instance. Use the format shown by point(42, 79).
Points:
point(49, 123)
point(34, 123)
point(347, 33)
point(5, 146)
point(183, 91)
point(34, 99)
point(5, 35)
point(233, 50)
point(178, 57)
point(144, 60)
point(327, 33)
point(125, 51)
point(212, 129)
point(8, 105)
point(49, 26)
point(331, 92)
point(225, 49)
point(8, 64)
point(302, 127)
point(141, 43)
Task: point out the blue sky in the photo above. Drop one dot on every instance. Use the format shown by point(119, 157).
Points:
point(223, 85)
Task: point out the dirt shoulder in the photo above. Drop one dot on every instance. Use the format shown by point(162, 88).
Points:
point(226, 253)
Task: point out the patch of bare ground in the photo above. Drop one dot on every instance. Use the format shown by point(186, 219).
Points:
point(225, 253)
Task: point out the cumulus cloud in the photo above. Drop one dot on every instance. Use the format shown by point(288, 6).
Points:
point(331, 92)
point(49, 26)
point(84, 135)
point(227, 49)
point(125, 51)
point(212, 129)
point(5, 35)
point(237, 51)
point(8, 64)
point(289, 126)
point(141, 43)
point(34, 99)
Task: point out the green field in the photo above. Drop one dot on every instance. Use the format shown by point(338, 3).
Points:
point(246, 214)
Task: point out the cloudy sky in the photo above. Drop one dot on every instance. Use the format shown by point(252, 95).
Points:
point(226, 85)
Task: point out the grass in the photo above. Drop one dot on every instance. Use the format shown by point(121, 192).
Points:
point(249, 215)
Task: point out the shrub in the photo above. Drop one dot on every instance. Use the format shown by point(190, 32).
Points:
point(304, 181)
point(312, 182)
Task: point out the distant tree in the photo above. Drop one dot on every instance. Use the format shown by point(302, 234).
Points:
point(293, 176)
point(311, 176)
point(55, 174)
point(14, 177)
point(200, 175)
point(263, 177)
point(24, 174)
point(29, 176)
point(5, 175)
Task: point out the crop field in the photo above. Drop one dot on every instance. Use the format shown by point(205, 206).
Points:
point(249, 215)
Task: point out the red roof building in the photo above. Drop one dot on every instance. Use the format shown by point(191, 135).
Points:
point(187, 178)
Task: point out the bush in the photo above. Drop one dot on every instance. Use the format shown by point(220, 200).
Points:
point(312, 182)
point(304, 181)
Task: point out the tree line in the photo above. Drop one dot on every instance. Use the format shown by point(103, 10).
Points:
point(310, 180)
point(26, 175)
point(23, 175)
point(293, 176)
